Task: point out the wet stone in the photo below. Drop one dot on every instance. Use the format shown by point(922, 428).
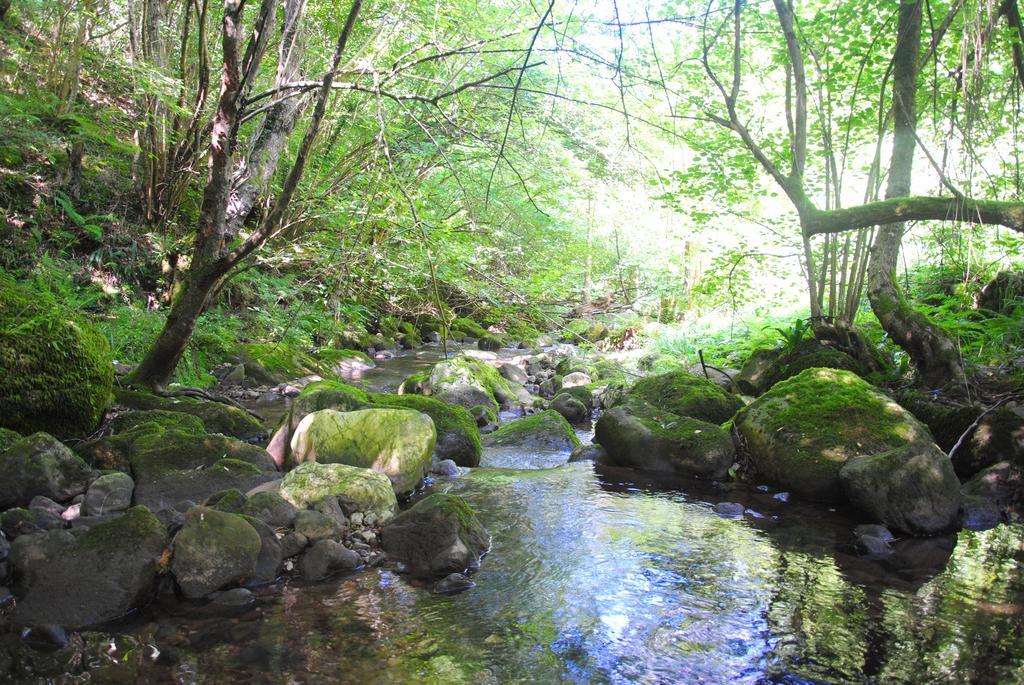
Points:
point(453, 583)
point(729, 509)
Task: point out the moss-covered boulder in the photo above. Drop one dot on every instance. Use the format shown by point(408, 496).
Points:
point(911, 488)
point(40, 465)
point(217, 417)
point(416, 384)
point(56, 371)
point(395, 442)
point(544, 431)
point(342, 361)
point(100, 575)
point(328, 394)
point(174, 466)
point(357, 489)
point(571, 409)
point(212, 550)
point(490, 343)
point(8, 438)
point(768, 366)
point(108, 494)
point(271, 508)
point(471, 328)
point(111, 452)
point(470, 382)
point(282, 361)
point(437, 536)
point(638, 435)
point(801, 432)
point(683, 394)
point(458, 437)
point(175, 420)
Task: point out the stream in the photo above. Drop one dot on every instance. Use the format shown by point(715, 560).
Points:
point(599, 575)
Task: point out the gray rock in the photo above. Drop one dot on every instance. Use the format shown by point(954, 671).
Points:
point(445, 468)
point(729, 509)
point(1003, 483)
point(871, 546)
point(212, 550)
point(576, 378)
point(108, 494)
point(594, 453)
point(268, 563)
point(40, 465)
point(317, 526)
point(5, 548)
point(42, 503)
point(574, 411)
point(438, 535)
point(874, 530)
point(979, 513)
point(513, 372)
point(270, 508)
point(324, 558)
point(292, 544)
point(235, 598)
point(452, 584)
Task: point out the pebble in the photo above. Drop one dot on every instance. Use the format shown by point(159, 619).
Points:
point(356, 519)
point(368, 536)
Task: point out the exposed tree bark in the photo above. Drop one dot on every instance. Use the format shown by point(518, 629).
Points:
point(904, 209)
point(933, 352)
point(4, 6)
point(1012, 12)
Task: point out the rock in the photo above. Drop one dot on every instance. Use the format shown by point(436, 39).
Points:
point(446, 468)
point(234, 377)
point(17, 522)
point(470, 382)
point(133, 420)
point(1002, 294)
point(729, 509)
point(324, 558)
point(230, 501)
point(768, 366)
point(173, 466)
point(683, 394)
point(46, 504)
point(488, 342)
point(514, 373)
point(874, 530)
point(8, 438)
point(458, 437)
point(40, 465)
point(723, 378)
point(317, 526)
point(271, 508)
point(452, 584)
point(551, 386)
point(108, 494)
point(5, 548)
point(438, 535)
point(357, 489)
point(571, 409)
point(271, 556)
point(801, 432)
point(216, 417)
point(637, 435)
point(871, 546)
point(594, 453)
point(235, 598)
point(544, 431)
point(979, 513)
point(276, 361)
point(574, 379)
point(911, 488)
point(1002, 483)
point(395, 442)
point(56, 369)
point(342, 361)
point(292, 544)
point(97, 576)
point(213, 549)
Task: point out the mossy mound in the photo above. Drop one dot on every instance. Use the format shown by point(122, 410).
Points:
point(684, 394)
point(490, 342)
point(329, 395)
point(338, 360)
point(802, 431)
point(471, 328)
point(458, 437)
point(174, 420)
point(416, 384)
point(281, 360)
point(546, 430)
point(639, 435)
point(768, 366)
point(56, 371)
point(470, 382)
point(8, 438)
point(358, 489)
point(216, 416)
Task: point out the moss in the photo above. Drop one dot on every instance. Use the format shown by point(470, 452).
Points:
point(231, 501)
point(545, 424)
point(470, 327)
point(580, 393)
point(359, 489)
point(452, 504)
point(216, 417)
point(155, 419)
point(330, 395)
point(8, 438)
point(805, 428)
point(452, 422)
point(684, 394)
point(56, 371)
point(281, 359)
point(138, 524)
point(490, 342)
point(468, 372)
point(159, 454)
point(331, 358)
point(416, 384)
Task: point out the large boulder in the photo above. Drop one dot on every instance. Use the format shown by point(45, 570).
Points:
point(911, 488)
point(470, 382)
point(438, 535)
point(768, 366)
point(395, 442)
point(683, 394)
point(212, 550)
point(111, 452)
point(357, 489)
point(98, 576)
point(108, 494)
point(56, 370)
point(801, 432)
point(217, 417)
point(174, 466)
point(458, 437)
point(40, 465)
point(544, 431)
point(319, 395)
point(638, 435)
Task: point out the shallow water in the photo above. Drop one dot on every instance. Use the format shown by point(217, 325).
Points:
point(605, 576)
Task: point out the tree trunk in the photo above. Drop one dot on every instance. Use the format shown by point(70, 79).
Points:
point(4, 6)
point(930, 348)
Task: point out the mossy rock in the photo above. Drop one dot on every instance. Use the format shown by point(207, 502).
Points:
point(103, 574)
point(657, 364)
point(216, 416)
point(683, 394)
point(40, 465)
point(471, 328)
point(281, 360)
point(458, 437)
point(416, 384)
point(545, 431)
point(173, 420)
point(395, 442)
point(111, 452)
point(339, 360)
point(56, 370)
point(801, 432)
point(768, 366)
point(639, 435)
point(469, 382)
point(490, 342)
point(329, 394)
point(8, 438)
point(212, 550)
point(437, 536)
point(358, 489)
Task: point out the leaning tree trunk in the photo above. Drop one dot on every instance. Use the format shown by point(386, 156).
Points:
point(932, 351)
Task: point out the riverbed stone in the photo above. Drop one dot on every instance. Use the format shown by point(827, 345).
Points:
point(684, 394)
point(40, 465)
point(469, 382)
point(543, 431)
point(109, 493)
point(637, 435)
point(574, 411)
point(217, 417)
point(438, 535)
point(271, 508)
point(514, 372)
point(911, 488)
point(318, 526)
point(97, 576)
point(395, 442)
point(325, 557)
point(594, 453)
point(1002, 483)
point(768, 366)
point(458, 437)
point(357, 489)
point(212, 550)
point(801, 432)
